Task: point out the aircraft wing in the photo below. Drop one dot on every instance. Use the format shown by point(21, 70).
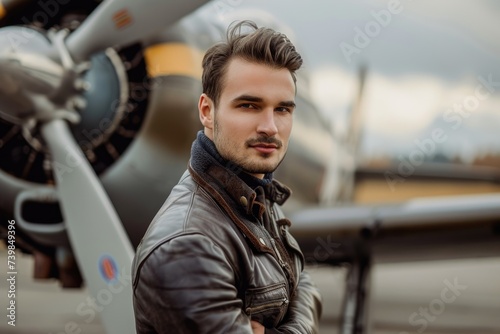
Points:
point(419, 229)
point(415, 230)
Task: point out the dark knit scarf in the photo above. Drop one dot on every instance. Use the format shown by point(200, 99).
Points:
point(208, 146)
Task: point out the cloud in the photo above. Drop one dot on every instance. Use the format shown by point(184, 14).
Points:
point(396, 111)
point(391, 106)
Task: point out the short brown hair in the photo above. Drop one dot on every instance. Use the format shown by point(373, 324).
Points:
point(262, 45)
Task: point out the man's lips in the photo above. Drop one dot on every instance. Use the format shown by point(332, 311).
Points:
point(266, 145)
point(265, 148)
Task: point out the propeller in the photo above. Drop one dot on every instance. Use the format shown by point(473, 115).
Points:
point(118, 23)
point(98, 239)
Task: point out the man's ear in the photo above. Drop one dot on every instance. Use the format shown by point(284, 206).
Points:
point(206, 111)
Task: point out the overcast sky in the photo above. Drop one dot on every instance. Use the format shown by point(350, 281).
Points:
point(423, 57)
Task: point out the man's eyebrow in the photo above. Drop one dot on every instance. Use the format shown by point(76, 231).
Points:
point(247, 98)
point(251, 98)
point(289, 104)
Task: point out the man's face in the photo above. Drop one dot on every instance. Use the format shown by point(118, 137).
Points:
point(253, 120)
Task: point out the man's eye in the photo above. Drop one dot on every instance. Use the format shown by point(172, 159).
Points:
point(246, 106)
point(283, 109)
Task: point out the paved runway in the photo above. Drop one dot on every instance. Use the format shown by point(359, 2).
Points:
point(400, 292)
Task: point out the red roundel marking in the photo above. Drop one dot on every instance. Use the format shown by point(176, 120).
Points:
point(122, 19)
point(108, 269)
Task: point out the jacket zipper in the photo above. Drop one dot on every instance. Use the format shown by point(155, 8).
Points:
point(278, 254)
point(273, 242)
point(282, 263)
point(260, 308)
point(273, 219)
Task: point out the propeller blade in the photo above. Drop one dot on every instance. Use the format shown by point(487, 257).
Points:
point(98, 239)
point(356, 121)
point(353, 142)
point(116, 23)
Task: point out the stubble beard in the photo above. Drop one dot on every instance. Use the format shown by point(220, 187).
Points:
point(229, 151)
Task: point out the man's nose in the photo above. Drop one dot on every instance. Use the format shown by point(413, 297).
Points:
point(267, 123)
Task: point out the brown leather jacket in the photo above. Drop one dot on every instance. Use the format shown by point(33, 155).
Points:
point(217, 255)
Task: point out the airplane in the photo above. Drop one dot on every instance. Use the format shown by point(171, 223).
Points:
point(97, 115)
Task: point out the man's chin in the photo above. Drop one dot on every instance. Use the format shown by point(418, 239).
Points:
point(259, 168)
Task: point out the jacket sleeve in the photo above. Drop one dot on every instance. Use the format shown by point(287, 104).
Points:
point(304, 311)
point(187, 286)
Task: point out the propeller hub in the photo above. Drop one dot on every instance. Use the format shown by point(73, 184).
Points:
point(24, 73)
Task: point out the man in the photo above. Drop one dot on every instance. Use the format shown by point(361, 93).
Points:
point(218, 257)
